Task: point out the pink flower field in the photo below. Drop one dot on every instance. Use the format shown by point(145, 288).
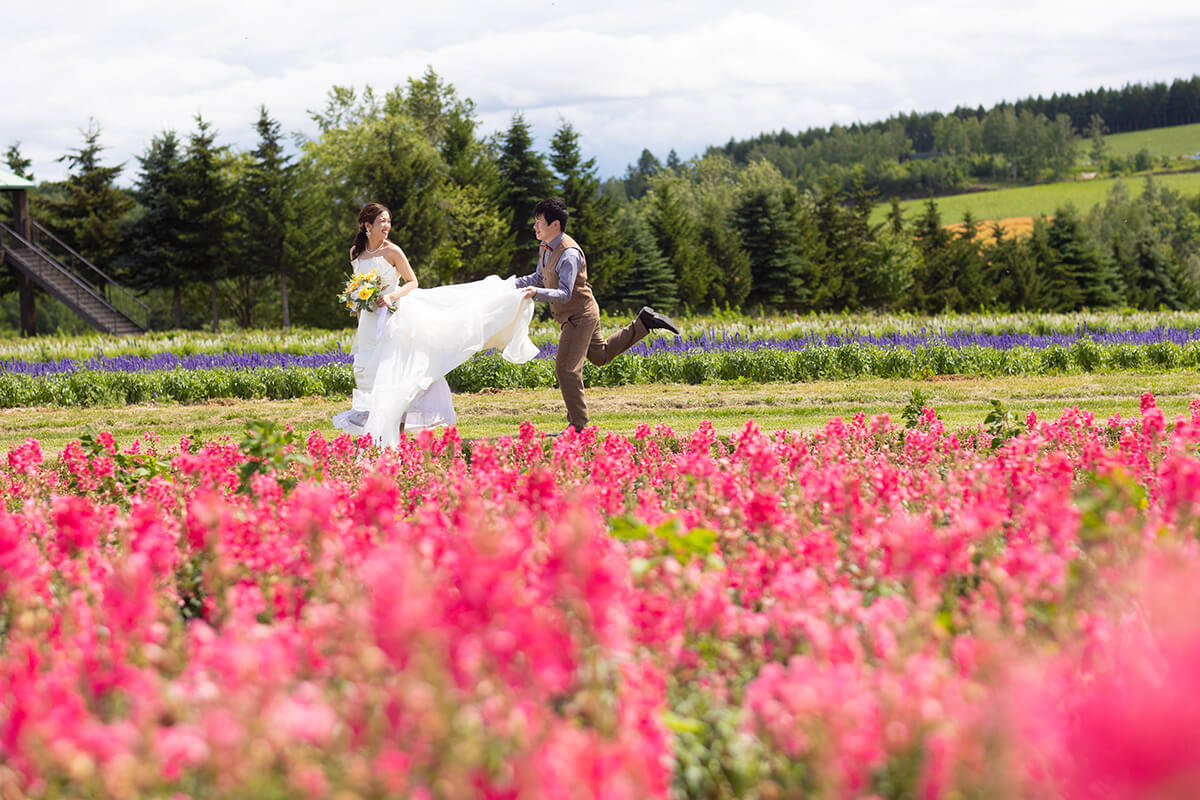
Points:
point(869, 611)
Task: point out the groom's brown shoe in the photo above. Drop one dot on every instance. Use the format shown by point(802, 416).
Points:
point(652, 320)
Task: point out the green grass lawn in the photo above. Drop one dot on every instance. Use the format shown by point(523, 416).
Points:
point(1035, 201)
point(961, 403)
point(1175, 141)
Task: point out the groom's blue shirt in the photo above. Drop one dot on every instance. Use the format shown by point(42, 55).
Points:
point(568, 269)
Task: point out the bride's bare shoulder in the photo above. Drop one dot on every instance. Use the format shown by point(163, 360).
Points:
point(394, 253)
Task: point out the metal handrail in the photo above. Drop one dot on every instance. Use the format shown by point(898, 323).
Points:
point(81, 286)
point(108, 284)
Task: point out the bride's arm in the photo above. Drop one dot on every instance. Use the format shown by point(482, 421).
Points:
point(404, 270)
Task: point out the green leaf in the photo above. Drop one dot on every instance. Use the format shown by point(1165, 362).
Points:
point(627, 529)
point(683, 724)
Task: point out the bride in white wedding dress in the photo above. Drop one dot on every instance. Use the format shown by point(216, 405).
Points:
point(401, 357)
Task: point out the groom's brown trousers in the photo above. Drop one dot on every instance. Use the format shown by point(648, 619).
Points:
point(580, 340)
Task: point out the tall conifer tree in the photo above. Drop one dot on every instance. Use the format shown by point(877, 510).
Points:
point(1079, 273)
point(266, 189)
point(524, 181)
point(593, 214)
point(152, 259)
point(649, 279)
point(208, 196)
point(764, 214)
point(91, 207)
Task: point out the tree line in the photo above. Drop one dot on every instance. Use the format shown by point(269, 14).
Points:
point(919, 154)
point(261, 237)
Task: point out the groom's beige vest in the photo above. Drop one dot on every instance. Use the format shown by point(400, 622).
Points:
point(581, 294)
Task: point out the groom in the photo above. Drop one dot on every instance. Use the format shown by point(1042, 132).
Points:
point(561, 280)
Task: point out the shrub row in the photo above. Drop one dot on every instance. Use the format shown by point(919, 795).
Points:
point(93, 387)
point(490, 371)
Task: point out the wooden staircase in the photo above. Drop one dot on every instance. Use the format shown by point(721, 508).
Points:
point(78, 284)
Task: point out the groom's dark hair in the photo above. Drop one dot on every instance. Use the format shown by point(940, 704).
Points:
point(552, 208)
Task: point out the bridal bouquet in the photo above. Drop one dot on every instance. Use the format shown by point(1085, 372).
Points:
point(361, 292)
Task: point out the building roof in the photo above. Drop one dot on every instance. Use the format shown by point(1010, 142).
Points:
point(10, 181)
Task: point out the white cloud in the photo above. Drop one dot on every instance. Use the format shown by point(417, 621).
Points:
point(627, 75)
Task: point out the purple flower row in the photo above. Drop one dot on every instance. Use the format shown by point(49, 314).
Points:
point(166, 361)
point(911, 340)
point(707, 342)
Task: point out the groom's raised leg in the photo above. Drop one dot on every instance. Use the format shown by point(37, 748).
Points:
point(601, 351)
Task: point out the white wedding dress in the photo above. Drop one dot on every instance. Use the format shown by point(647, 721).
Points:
point(401, 358)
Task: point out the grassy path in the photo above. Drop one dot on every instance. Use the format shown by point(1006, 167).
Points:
point(961, 402)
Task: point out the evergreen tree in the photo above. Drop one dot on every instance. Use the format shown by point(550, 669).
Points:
point(20, 167)
point(1079, 273)
point(154, 238)
point(895, 217)
point(577, 184)
point(1099, 149)
point(851, 275)
point(208, 196)
point(1158, 223)
point(833, 247)
point(965, 251)
point(91, 207)
point(1012, 271)
point(265, 189)
point(17, 162)
point(593, 214)
point(711, 186)
point(677, 236)
point(318, 247)
point(893, 259)
point(1151, 283)
point(637, 178)
point(863, 266)
point(765, 218)
point(935, 281)
point(649, 279)
point(951, 270)
point(525, 180)
point(731, 285)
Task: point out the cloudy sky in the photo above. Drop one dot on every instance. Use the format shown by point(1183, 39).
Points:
point(627, 74)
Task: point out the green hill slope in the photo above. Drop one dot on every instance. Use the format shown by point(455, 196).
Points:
point(1035, 201)
point(1173, 142)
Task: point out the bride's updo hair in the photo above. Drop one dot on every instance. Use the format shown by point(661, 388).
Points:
point(370, 212)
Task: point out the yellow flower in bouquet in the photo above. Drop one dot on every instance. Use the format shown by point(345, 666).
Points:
point(361, 292)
